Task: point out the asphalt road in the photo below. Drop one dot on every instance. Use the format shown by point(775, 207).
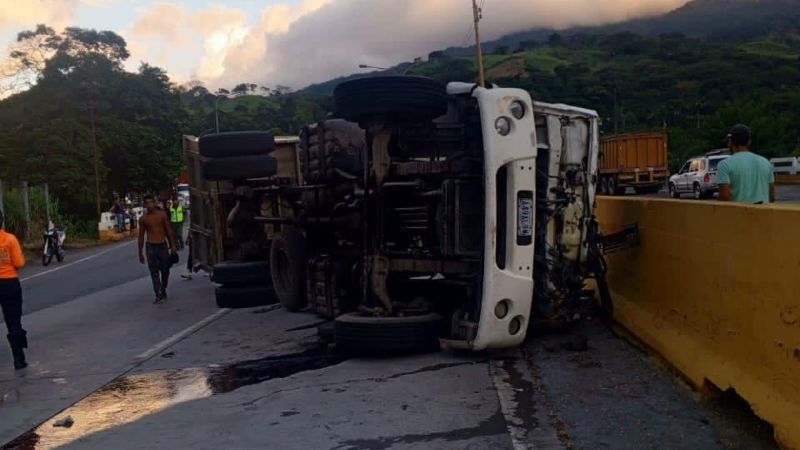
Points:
point(126, 374)
point(83, 272)
point(787, 194)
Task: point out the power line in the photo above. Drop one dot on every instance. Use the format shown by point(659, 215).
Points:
point(467, 36)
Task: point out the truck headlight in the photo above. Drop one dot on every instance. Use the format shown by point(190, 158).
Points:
point(503, 125)
point(517, 109)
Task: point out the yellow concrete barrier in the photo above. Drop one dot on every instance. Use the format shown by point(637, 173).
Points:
point(715, 289)
point(111, 236)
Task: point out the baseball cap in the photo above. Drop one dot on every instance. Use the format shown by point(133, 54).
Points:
point(739, 135)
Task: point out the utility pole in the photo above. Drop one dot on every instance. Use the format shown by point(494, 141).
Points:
point(616, 109)
point(96, 162)
point(476, 16)
point(47, 202)
point(26, 205)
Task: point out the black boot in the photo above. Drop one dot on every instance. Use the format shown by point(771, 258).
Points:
point(18, 342)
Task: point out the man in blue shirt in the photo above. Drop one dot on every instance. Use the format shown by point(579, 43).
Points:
point(745, 177)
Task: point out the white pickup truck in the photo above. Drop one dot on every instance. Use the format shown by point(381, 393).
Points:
point(428, 215)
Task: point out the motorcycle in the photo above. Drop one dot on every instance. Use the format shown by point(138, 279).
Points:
point(53, 244)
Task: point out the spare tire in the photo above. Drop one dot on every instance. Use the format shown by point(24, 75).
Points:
point(239, 168)
point(287, 261)
point(236, 143)
point(245, 297)
point(393, 98)
point(241, 273)
point(358, 333)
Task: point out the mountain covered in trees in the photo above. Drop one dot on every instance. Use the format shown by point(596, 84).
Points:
point(691, 73)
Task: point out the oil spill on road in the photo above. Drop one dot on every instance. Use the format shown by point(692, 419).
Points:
point(494, 425)
point(133, 397)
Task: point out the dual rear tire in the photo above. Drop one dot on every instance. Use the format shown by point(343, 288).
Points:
point(237, 155)
point(609, 186)
point(243, 284)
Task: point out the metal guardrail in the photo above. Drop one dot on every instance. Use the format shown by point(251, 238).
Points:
point(787, 165)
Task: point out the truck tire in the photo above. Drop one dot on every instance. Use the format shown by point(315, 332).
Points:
point(396, 98)
point(697, 193)
point(236, 143)
point(239, 168)
point(245, 296)
point(359, 334)
point(254, 273)
point(613, 188)
point(604, 186)
point(673, 191)
point(287, 261)
point(329, 147)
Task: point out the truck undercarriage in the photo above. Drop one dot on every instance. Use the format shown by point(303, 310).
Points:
point(427, 216)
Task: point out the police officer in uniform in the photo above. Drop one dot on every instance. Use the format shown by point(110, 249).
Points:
point(176, 213)
point(11, 260)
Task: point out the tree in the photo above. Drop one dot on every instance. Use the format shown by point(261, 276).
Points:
point(281, 90)
point(27, 57)
point(555, 40)
point(240, 89)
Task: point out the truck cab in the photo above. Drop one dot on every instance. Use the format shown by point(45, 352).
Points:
point(428, 215)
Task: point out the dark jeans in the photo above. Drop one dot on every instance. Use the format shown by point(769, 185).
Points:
point(11, 303)
point(120, 222)
point(158, 263)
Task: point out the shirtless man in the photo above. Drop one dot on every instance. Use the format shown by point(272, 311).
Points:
point(155, 224)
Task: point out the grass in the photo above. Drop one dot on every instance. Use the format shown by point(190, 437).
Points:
point(771, 48)
point(543, 59)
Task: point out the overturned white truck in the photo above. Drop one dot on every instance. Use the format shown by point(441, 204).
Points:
point(427, 215)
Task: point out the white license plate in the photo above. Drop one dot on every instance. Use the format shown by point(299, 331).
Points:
point(524, 217)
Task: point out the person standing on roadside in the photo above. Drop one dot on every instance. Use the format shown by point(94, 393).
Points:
point(131, 213)
point(11, 260)
point(745, 177)
point(176, 215)
point(155, 225)
point(119, 214)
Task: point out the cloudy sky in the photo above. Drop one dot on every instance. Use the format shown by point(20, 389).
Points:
point(297, 42)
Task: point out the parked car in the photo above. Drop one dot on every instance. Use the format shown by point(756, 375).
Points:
point(697, 176)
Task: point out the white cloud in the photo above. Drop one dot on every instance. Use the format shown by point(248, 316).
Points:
point(56, 13)
point(321, 39)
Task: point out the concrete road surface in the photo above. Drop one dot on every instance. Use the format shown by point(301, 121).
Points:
point(110, 370)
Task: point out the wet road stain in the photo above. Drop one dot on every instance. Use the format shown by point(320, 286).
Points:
point(494, 425)
point(133, 397)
